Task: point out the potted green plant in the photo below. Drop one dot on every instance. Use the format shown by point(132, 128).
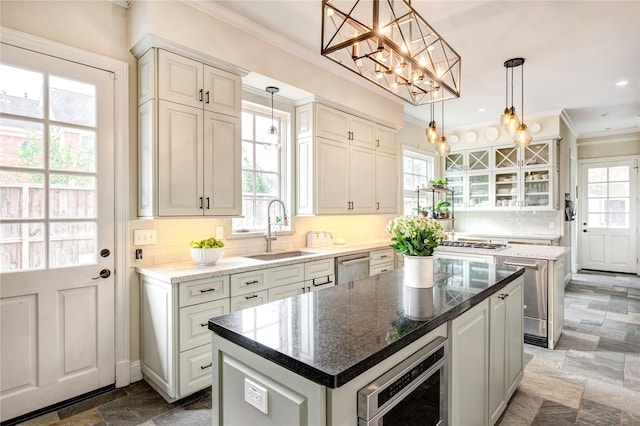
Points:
point(442, 210)
point(438, 183)
point(416, 237)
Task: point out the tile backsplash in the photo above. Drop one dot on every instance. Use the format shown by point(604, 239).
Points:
point(520, 223)
point(174, 235)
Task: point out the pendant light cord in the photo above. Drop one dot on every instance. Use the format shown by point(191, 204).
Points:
point(506, 87)
point(522, 92)
point(272, 110)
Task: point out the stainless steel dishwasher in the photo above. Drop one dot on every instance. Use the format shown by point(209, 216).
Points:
point(535, 298)
point(352, 267)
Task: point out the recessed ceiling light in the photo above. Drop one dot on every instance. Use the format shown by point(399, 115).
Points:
point(482, 110)
point(608, 128)
point(604, 115)
point(622, 83)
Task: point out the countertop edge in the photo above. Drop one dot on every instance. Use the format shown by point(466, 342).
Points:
point(171, 272)
point(336, 380)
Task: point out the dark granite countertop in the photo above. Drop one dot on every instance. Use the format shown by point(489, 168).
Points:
point(333, 335)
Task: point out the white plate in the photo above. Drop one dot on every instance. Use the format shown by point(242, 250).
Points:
point(491, 134)
point(471, 137)
point(534, 127)
point(453, 139)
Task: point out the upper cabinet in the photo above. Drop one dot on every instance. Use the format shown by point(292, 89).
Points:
point(345, 164)
point(504, 177)
point(188, 138)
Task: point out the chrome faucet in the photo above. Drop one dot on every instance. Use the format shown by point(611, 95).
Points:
point(269, 237)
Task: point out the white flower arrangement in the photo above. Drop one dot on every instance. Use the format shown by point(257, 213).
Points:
point(415, 235)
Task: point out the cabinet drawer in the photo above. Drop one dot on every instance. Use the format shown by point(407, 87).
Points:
point(380, 268)
point(318, 268)
point(204, 290)
point(194, 320)
point(381, 256)
point(320, 283)
point(284, 291)
point(195, 369)
point(248, 300)
point(248, 282)
point(286, 275)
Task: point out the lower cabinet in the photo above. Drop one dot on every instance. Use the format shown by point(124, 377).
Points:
point(486, 357)
point(175, 356)
point(381, 261)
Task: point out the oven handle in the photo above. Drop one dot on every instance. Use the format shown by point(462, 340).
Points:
point(353, 261)
point(526, 265)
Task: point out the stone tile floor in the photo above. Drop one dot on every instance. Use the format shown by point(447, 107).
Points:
point(591, 378)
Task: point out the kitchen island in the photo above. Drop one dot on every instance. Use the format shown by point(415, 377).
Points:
point(306, 357)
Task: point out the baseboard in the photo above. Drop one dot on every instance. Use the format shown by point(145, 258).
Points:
point(136, 372)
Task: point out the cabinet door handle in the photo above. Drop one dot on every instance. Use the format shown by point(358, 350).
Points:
point(253, 296)
point(377, 206)
point(204, 367)
point(383, 270)
point(203, 324)
point(252, 282)
point(208, 203)
point(201, 198)
point(377, 143)
point(207, 290)
point(207, 95)
point(201, 95)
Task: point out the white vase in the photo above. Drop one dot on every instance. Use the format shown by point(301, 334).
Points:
point(417, 303)
point(418, 271)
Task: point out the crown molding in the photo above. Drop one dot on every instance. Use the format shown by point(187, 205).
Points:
point(122, 3)
point(218, 11)
point(564, 116)
point(613, 136)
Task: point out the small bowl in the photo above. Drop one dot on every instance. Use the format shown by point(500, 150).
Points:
point(207, 256)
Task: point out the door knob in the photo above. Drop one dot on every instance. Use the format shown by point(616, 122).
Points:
point(105, 273)
point(584, 230)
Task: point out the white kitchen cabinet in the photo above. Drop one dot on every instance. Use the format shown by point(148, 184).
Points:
point(175, 356)
point(532, 189)
point(506, 347)
point(469, 174)
point(469, 367)
point(189, 143)
point(486, 358)
point(343, 127)
point(188, 82)
point(386, 139)
point(249, 300)
point(381, 261)
point(345, 164)
point(248, 282)
point(386, 182)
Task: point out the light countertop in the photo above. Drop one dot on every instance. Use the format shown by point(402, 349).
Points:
point(515, 250)
point(190, 270)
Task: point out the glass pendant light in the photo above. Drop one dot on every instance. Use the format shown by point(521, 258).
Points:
point(272, 139)
point(432, 130)
point(509, 119)
point(443, 147)
point(522, 136)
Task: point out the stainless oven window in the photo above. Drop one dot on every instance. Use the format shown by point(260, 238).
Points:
point(412, 393)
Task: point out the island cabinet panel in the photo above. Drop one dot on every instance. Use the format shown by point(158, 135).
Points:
point(291, 399)
point(469, 367)
point(506, 346)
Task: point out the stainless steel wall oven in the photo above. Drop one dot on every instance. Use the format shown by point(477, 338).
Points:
point(414, 392)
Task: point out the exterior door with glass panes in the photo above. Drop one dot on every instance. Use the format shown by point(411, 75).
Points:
point(608, 207)
point(57, 231)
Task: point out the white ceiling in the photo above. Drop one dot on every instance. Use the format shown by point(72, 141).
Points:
point(575, 52)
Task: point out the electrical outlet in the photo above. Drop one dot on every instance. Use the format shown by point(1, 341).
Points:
point(552, 225)
point(138, 255)
point(256, 395)
point(144, 237)
point(219, 232)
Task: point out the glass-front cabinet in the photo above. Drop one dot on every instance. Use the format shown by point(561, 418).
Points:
point(526, 177)
point(469, 173)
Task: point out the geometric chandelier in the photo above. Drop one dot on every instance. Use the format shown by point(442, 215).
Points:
point(390, 44)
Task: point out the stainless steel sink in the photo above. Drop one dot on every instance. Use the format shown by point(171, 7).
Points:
point(280, 255)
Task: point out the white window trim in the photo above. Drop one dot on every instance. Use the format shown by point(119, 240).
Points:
point(120, 69)
point(417, 152)
point(286, 152)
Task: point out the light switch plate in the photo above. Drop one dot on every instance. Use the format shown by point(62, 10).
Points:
point(144, 237)
point(219, 232)
point(256, 395)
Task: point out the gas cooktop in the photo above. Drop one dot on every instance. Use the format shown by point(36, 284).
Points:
point(469, 244)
